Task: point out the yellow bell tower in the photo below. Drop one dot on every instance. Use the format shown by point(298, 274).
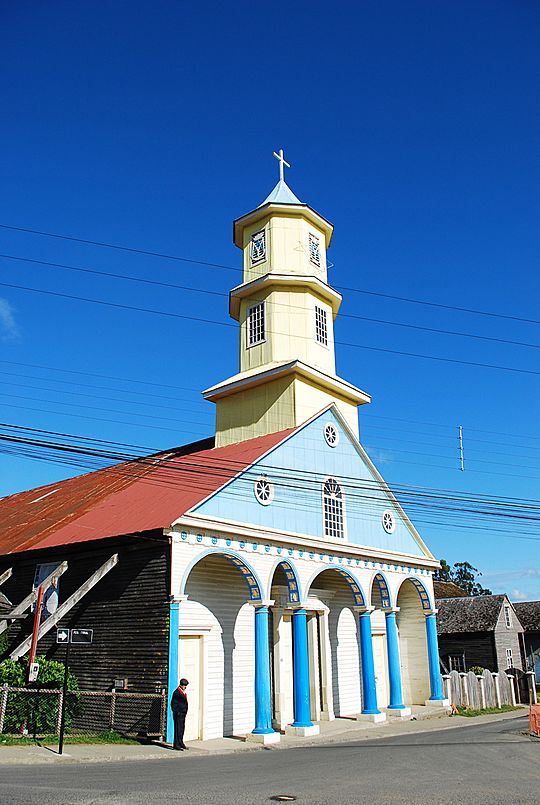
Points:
point(286, 311)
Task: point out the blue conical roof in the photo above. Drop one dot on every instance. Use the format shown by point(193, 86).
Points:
point(281, 194)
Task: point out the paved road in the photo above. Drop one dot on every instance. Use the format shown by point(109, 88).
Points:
point(487, 764)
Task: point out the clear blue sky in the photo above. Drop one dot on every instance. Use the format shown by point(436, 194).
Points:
point(413, 127)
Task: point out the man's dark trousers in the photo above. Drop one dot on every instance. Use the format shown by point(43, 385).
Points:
point(179, 707)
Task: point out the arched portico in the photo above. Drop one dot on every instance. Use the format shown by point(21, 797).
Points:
point(418, 643)
point(224, 622)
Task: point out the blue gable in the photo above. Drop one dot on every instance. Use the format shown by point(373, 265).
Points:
point(297, 469)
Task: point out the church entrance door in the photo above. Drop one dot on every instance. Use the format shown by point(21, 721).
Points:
point(190, 665)
point(380, 662)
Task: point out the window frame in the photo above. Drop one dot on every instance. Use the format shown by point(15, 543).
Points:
point(321, 324)
point(314, 239)
point(326, 535)
point(508, 616)
point(509, 658)
point(250, 309)
point(255, 261)
point(456, 662)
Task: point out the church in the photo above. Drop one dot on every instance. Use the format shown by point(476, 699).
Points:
point(298, 588)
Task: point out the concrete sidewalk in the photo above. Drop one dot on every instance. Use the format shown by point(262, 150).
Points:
point(341, 730)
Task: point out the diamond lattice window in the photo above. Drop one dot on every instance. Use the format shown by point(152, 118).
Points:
point(314, 250)
point(255, 324)
point(258, 246)
point(321, 329)
point(334, 519)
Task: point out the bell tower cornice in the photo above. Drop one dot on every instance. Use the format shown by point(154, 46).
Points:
point(318, 288)
point(289, 210)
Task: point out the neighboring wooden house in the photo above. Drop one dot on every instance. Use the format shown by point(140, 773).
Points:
point(481, 630)
point(529, 616)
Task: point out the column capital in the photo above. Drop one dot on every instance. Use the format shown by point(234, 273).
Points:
point(296, 606)
point(428, 612)
point(178, 599)
point(391, 610)
point(364, 610)
point(261, 604)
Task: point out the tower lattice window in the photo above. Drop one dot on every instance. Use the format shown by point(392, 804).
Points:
point(321, 329)
point(314, 250)
point(256, 324)
point(334, 518)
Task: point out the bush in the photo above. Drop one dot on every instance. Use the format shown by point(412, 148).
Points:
point(37, 711)
point(476, 669)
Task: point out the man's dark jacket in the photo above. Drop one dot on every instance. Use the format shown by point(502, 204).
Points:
point(179, 703)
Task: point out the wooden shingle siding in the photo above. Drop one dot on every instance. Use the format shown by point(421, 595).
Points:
point(127, 609)
point(508, 638)
point(478, 648)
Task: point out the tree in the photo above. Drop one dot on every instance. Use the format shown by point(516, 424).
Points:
point(464, 575)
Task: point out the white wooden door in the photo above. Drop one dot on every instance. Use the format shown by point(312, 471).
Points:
point(189, 665)
point(381, 675)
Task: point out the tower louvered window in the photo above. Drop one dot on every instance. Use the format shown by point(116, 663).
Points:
point(321, 329)
point(334, 518)
point(255, 324)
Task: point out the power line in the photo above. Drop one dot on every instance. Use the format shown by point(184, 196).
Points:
point(170, 314)
point(165, 256)
point(192, 289)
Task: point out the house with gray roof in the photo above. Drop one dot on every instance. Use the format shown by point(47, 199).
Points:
point(479, 630)
point(529, 616)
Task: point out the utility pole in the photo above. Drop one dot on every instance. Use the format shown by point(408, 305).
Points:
point(461, 461)
point(35, 630)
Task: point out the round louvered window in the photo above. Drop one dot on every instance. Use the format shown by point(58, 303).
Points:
point(264, 490)
point(388, 522)
point(331, 434)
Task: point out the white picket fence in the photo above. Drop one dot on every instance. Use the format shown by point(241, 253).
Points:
point(488, 689)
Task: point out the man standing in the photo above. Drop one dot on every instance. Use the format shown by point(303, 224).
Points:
point(179, 707)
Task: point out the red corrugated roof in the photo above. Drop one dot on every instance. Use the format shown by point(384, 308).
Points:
point(124, 499)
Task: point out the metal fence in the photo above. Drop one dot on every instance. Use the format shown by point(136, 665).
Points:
point(36, 712)
point(488, 689)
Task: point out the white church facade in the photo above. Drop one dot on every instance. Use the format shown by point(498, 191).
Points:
point(300, 589)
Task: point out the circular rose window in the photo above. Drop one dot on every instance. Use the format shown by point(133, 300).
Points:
point(264, 490)
point(331, 434)
point(389, 522)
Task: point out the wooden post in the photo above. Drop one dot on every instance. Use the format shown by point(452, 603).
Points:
point(531, 681)
point(513, 682)
point(497, 689)
point(464, 689)
point(113, 709)
point(482, 687)
point(3, 705)
point(447, 687)
point(35, 630)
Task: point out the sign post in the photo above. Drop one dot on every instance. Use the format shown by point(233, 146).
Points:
point(77, 637)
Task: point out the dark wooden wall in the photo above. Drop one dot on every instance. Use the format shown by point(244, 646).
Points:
point(127, 609)
point(478, 648)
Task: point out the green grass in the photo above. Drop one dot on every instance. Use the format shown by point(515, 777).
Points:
point(469, 712)
point(52, 740)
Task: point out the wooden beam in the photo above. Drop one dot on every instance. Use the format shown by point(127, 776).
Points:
point(52, 620)
point(5, 575)
point(29, 600)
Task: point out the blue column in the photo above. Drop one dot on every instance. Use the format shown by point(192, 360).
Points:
point(302, 699)
point(433, 658)
point(172, 680)
point(368, 666)
point(263, 707)
point(394, 667)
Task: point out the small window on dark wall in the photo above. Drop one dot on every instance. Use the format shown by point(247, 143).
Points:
point(50, 599)
point(456, 662)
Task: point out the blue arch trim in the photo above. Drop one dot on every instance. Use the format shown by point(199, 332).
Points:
point(354, 586)
point(250, 576)
point(294, 591)
point(384, 590)
point(423, 594)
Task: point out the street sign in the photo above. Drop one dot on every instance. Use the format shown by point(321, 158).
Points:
point(62, 635)
point(84, 636)
point(33, 671)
